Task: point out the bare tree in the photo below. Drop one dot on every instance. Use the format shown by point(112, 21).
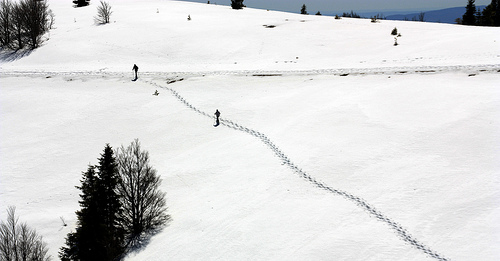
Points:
point(144, 206)
point(103, 13)
point(5, 23)
point(20, 242)
point(24, 22)
point(421, 17)
point(36, 20)
point(18, 26)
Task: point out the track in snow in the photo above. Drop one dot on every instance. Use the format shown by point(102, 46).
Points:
point(400, 231)
point(391, 70)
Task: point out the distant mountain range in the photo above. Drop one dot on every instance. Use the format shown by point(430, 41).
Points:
point(448, 15)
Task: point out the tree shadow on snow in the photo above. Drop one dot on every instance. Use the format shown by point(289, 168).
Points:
point(7, 55)
point(138, 244)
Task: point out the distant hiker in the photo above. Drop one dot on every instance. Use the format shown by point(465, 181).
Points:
point(135, 69)
point(217, 114)
point(156, 93)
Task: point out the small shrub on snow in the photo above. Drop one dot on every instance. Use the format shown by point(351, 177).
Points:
point(394, 31)
point(103, 13)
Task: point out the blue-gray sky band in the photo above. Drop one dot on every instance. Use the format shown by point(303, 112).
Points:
point(326, 6)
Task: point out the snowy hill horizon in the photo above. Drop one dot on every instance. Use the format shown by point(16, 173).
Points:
point(334, 143)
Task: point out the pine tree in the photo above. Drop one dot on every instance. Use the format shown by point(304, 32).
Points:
point(98, 235)
point(82, 244)
point(303, 10)
point(491, 14)
point(496, 7)
point(486, 17)
point(80, 3)
point(109, 205)
point(469, 18)
point(237, 4)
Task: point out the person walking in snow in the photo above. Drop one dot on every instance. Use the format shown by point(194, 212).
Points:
point(135, 69)
point(217, 114)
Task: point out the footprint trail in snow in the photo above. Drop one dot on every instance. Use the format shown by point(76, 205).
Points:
point(398, 229)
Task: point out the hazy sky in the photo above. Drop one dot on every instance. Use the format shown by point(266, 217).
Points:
point(325, 6)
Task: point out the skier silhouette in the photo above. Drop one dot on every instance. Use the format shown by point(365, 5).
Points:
point(135, 69)
point(217, 114)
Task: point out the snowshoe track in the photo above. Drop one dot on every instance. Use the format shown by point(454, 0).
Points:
point(389, 70)
point(398, 229)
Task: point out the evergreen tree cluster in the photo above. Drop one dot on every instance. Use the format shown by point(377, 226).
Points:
point(352, 14)
point(104, 230)
point(237, 4)
point(23, 23)
point(80, 3)
point(489, 16)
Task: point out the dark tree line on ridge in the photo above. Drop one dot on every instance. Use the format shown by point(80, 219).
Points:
point(489, 16)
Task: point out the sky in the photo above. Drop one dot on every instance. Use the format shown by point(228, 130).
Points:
point(328, 6)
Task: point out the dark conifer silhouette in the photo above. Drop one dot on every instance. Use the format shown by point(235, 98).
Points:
point(80, 3)
point(98, 235)
point(489, 15)
point(496, 7)
point(469, 18)
point(81, 244)
point(109, 206)
point(303, 10)
point(237, 4)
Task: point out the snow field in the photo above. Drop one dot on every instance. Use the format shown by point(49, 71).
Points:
point(421, 148)
point(396, 136)
point(157, 36)
point(229, 195)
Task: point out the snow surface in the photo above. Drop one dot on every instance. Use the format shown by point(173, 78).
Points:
point(411, 130)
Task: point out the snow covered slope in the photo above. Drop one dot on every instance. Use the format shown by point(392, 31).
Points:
point(157, 36)
point(394, 159)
